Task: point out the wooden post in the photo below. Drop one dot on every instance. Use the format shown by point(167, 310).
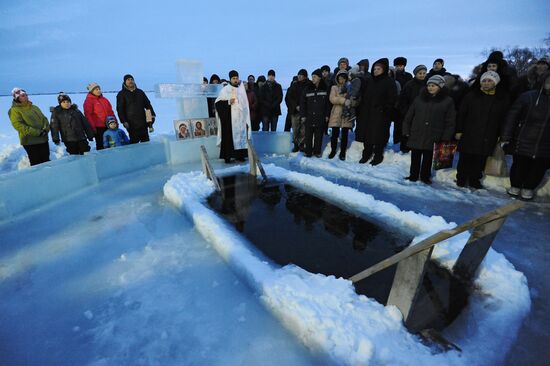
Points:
point(407, 282)
point(255, 161)
point(476, 249)
point(252, 160)
point(207, 169)
point(437, 238)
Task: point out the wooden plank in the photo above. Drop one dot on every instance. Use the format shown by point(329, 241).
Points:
point(436, 238)
point(476, 249)
point(252, 160)
point(209, 171)
point(408, 281)
point(257, 162)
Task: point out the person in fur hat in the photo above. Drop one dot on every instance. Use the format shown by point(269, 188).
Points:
point(409, 93)
point(374, 123)
point(401, 75)
point(533, 79)
point(32, 126)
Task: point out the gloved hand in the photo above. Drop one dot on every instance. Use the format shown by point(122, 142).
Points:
point(90, 139)
point(504, 143)
point(56, 142)
point(43, 132)
point(126, 125)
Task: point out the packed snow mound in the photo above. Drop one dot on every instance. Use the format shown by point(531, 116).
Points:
point(325, 313)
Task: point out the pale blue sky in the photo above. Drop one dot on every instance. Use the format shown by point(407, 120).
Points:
point(47, 46)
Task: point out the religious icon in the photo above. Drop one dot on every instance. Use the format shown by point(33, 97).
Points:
point(199, 128)
point(183, 129)
point(211, 127)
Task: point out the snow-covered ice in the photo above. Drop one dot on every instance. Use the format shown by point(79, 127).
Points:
point(159, 294)
point(325, 313)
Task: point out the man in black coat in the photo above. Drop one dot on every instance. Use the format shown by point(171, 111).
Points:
point(401, 76)
point(314, 112)
point(377, 105)
point(292, 99)
point(527, 129)
point(271, 96)
point(438, 69)
point(480, 120)
point(131, 104)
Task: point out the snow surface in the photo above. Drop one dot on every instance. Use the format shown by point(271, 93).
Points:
point(115, 275)
point(325, 312)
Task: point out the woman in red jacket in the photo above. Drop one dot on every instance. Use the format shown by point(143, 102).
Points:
point(96, 109)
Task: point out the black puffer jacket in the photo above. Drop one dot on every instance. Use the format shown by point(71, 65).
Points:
point(429, 120)
point(315, 105)
point(70, 124)
point(131, 106)
point(376, 107)
point(480, 120)
point(271, 96)
point(527, 124)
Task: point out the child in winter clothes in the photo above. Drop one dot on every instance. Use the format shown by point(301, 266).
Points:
point(353, 91)
point(71, 124)
point(114, 136)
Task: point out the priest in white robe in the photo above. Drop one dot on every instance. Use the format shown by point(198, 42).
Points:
point(233, 119)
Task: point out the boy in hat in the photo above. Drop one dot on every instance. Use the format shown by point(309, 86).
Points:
point(114, 136)
point(71, 124)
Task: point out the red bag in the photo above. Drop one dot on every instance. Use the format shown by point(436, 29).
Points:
point(444, 154)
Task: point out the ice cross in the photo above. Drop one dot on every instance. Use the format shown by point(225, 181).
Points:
point(190, 92)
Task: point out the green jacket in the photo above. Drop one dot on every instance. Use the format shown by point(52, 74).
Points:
point(29, 121)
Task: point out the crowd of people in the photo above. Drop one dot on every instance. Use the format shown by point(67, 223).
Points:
point(496, 108)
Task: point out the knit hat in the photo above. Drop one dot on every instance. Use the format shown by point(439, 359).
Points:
point(343, 59)
point(439, 60)
point(271, 72)
point(343, 73)
point(418, 68)
point(233, 73)
point(63, 97)
point(110, 119)
point(303, 72)
point(492, 76)
point(127, 76)
point(437, 80)
point(325, 68)
point(400, 61)
point(17, 92)
point(317, 72)
point(92, 86)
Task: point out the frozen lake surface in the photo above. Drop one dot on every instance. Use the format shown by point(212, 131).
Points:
point(115, 275)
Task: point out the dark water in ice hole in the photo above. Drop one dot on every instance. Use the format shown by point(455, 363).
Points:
point(291, 226)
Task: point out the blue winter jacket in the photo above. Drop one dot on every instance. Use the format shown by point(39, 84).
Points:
point(114, 138)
